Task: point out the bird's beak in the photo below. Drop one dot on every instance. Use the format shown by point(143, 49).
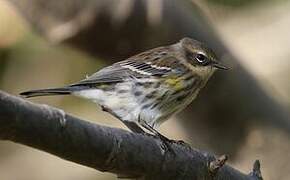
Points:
point(219, 65)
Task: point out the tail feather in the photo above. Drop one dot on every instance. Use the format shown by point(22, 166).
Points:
point(47, 92)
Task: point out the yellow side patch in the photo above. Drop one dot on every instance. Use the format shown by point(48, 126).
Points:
point(176, 83)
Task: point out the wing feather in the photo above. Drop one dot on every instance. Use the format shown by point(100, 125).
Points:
point(143, 65)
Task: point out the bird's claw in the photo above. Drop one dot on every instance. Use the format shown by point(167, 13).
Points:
point(167, 146)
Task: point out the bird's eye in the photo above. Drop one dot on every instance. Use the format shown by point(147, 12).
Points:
point(201, 58)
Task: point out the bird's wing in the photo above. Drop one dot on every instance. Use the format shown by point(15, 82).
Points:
point(136, 66)
point(124, 70)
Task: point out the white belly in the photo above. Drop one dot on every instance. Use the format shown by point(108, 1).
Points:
point(125, 105)
point(122, 102)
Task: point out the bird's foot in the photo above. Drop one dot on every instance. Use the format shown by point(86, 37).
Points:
point(166, 144)
point(182, 143)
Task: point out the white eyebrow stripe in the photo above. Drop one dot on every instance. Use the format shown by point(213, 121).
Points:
point(159, 67)
point(132, 68)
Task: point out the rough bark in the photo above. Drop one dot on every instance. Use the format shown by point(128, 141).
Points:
point(108, 149)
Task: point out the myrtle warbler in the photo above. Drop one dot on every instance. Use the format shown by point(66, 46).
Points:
point(148, 88)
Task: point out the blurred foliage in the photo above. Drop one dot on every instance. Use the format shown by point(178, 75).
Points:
point(28, 62)
point(241, 3)
point(3, 61)
point(33, 53)
point(12, 28)
point(234, 3)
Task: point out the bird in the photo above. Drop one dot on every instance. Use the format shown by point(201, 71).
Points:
point(145, 90)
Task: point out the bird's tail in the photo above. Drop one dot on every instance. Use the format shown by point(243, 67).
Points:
point(48, 92)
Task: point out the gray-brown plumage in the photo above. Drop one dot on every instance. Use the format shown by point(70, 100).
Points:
point(146, 89)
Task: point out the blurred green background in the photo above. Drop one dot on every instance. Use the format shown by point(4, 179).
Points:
point(255, 31)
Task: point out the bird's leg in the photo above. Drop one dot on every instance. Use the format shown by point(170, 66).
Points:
point(104, 108)
point(166, 142)
point(134, 127)
point(164, 139)
point(155, 132)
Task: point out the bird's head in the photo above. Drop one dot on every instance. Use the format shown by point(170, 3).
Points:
point(200, 59)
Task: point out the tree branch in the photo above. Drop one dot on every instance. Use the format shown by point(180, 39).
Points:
point(107, 149)
point(233, 100)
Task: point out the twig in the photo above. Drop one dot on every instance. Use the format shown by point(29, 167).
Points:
point(216, 164)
